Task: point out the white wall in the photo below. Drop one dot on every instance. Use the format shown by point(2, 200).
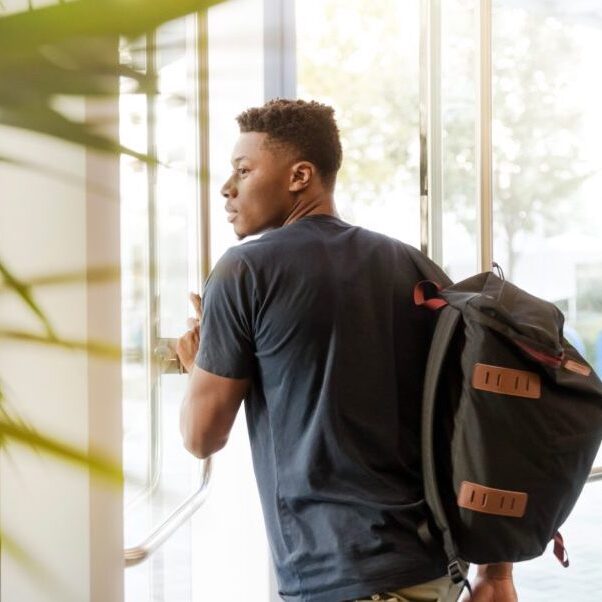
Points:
point(68, 524)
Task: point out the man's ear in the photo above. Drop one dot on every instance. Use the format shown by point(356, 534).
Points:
point(301, 175)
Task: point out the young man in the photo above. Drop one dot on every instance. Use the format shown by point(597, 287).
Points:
point(313, 324)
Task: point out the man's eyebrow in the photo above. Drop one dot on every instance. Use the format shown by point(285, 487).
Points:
point(237, 159)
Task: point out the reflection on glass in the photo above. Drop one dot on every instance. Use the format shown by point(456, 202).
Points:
point(362, 58)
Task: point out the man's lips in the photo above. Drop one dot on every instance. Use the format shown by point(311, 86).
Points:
point(232, 215)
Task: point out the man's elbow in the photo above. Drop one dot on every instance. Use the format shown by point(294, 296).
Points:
point(202, 447)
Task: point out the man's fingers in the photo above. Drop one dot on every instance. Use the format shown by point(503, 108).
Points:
point(193, 323)
point(196, 303)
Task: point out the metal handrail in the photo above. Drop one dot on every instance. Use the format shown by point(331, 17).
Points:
point(595, 474)
point(179, 516)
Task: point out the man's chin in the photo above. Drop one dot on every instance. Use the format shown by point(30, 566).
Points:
point(242, 233)
point(239, 230)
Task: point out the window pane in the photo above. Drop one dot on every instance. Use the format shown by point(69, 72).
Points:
point(176, 129)
point(458, 116)
point(134, 281)
point(375, 94)
point(235, 84)
point(159, 253)
point(231, 550)
point(547, 165)
point(547, 183)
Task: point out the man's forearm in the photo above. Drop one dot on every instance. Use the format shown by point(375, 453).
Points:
point(499, 570)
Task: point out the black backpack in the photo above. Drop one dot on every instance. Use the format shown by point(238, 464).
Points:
point(511, 421)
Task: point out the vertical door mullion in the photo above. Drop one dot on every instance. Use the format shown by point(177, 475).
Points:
point(202, 106)
point(154, 309)
point(279, 49)
point(431, 206)
point(483, 135)
point(153, 296)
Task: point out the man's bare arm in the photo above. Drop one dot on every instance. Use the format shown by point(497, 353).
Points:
point(493, 584)
point(208, 411)
point(211, 402)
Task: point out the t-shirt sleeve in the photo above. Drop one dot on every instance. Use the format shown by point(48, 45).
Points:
point(226, 345)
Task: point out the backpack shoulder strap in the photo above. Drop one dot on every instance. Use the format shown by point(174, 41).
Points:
point(428, 268)
point(447, 323)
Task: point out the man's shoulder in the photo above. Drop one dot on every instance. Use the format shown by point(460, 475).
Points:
point(282, 242)
point(302, 231)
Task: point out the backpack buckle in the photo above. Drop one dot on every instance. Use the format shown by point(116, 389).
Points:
point(457, 570)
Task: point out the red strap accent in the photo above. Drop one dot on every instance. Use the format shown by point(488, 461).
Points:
point(432, 303)
point(560, 551)
point(544, 358)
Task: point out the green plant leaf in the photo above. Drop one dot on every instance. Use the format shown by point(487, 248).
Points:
point(20, 32)
point(23, 291)
point(98, 348)
point(61, 176)
point(62, 49)
point(96, 462)
point(45, 120)
point(41, 80)
point(43, 575)
point(96, 274)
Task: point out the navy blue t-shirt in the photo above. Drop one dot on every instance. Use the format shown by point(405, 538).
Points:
point(319, 314)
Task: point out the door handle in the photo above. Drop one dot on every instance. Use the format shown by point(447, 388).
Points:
point(137, 554)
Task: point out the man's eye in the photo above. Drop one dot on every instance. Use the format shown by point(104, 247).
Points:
point(241, 171)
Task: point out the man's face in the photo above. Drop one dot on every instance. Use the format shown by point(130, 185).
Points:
point(257, 193)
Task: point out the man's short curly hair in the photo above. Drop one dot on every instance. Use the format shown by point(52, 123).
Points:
point(308, 128)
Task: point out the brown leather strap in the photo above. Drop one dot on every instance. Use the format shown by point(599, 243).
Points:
point(502, 502)
point(559, 550)
point(507, 381)
point(578, 368)
point(432, 302)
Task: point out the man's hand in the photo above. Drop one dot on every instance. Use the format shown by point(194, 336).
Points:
point(187, 345)
point(493, 584)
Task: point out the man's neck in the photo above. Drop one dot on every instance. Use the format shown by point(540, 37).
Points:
point(320, 205)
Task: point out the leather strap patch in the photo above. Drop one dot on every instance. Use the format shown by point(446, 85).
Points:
point(501, 502)
point(578, 368)
point(507, 381)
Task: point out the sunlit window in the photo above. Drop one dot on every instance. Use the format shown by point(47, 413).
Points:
point(362, 58)
point(458, 115)
point(547, 184)
point(159, 209)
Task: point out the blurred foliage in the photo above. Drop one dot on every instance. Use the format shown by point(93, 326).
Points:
point(61, 50)
point(375, 93)
point(538, 163)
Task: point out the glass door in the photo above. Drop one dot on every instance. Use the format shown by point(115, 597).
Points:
point(342, 61)
point(545, 188)
point(209, 68)
point(547, 217)
point(160, 264)
point(408, 118)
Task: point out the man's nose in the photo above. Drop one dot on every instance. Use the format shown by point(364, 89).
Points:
point(228, 190)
